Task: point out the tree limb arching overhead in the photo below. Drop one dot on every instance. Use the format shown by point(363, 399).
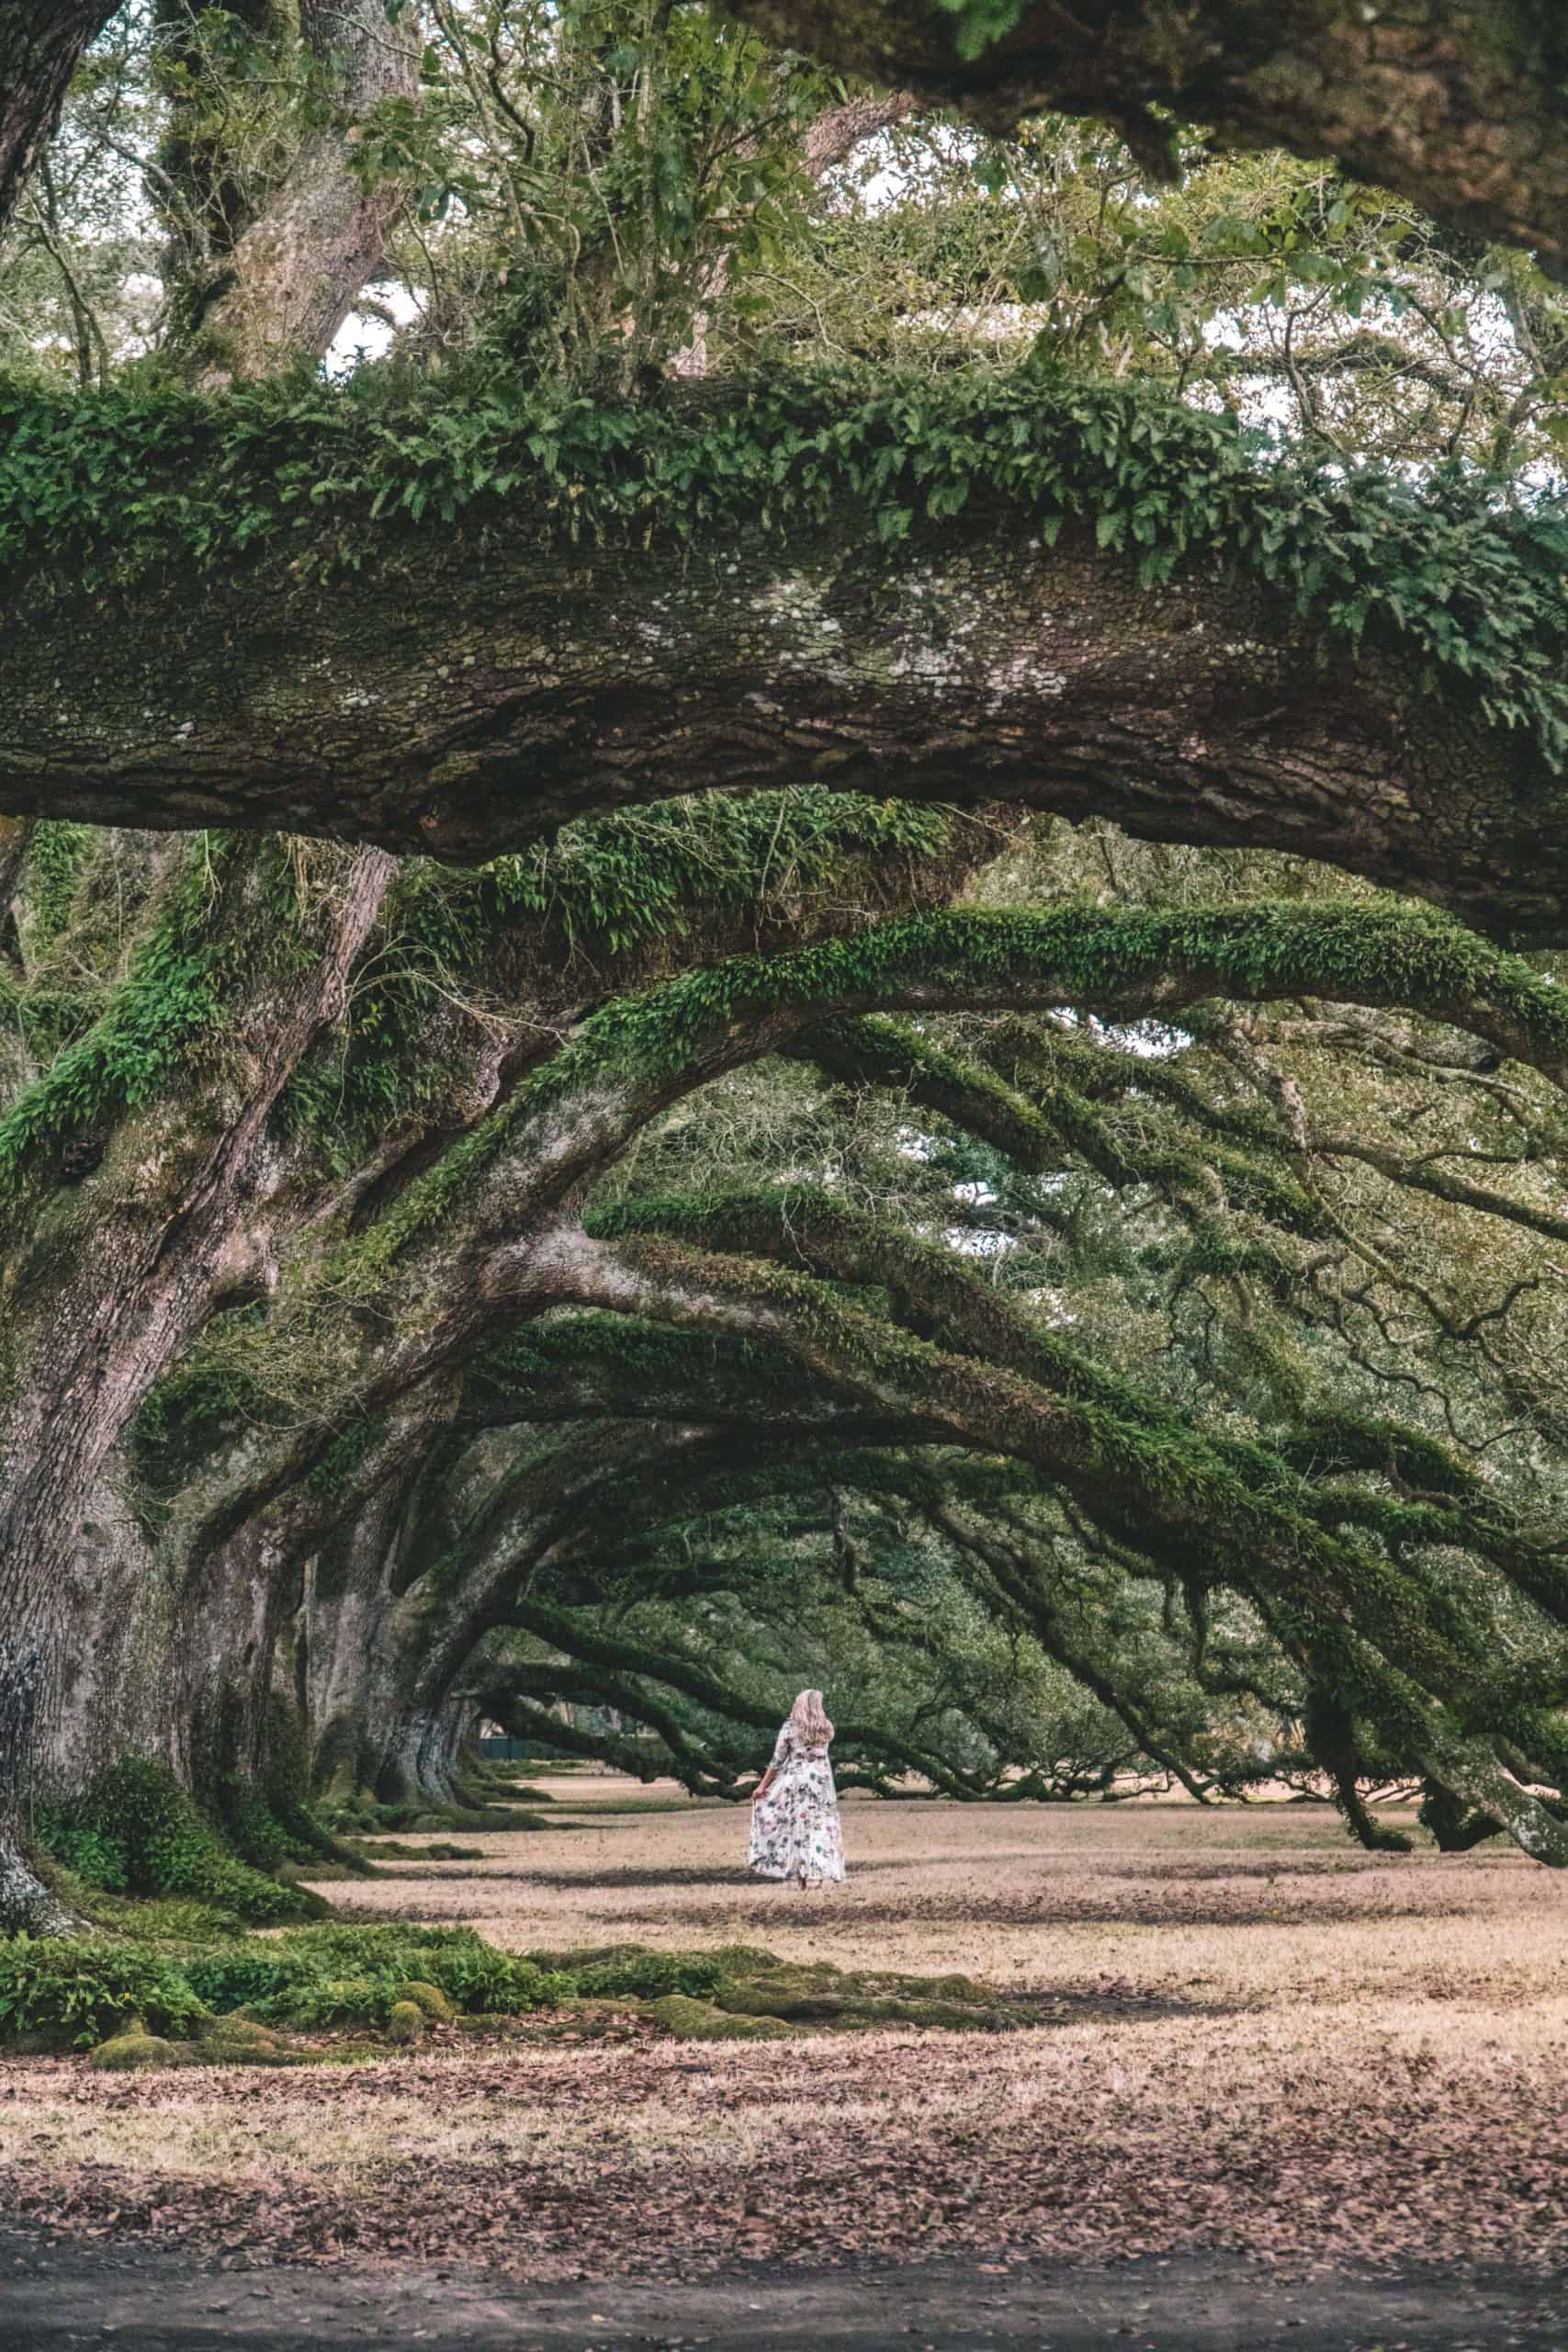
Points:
point(1109, 612)
point(1461, 106)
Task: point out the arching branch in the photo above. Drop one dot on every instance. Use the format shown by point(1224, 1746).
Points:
point(1451, 105)
point(1152, 633)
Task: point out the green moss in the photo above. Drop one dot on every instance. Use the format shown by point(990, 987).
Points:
point(604, 889)
point(334, 1976)
point(174, 993)
point(230, 921)
point(1104, 958)
point(233, 2005)
point(212, 1395)
point(389, 1850)
point(236, 2039)
point(429, 2000)
point(850, 2005)
point(694, 2020)
point(135, 2052)
point(345, 1454)
point(635, 1970)
point(220, 2042)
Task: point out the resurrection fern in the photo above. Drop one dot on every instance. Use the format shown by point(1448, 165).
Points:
point(176, 990)
point(1083, 955)
point(57, 854)
point(133, 1831)
point(305, 470)
point(978, 23)
point(606, 887)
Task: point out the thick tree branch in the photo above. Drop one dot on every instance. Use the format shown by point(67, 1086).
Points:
point(1154, 1485)
point(466, 690)
point(42, 43)
point(1457, 105)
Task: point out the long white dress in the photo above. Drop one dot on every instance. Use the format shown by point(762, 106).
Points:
point(795, 1828)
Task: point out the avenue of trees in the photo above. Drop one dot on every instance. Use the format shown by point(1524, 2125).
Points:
point(782, 882)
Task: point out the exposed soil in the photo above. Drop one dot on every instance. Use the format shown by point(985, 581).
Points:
point(60, 2296)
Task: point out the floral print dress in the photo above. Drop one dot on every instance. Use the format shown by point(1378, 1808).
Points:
point(795, 1828)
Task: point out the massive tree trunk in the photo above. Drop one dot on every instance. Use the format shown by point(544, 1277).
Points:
point(343, 1638)
point(480, 687)
point(128, 1238)
point(42, 43)
point(128, 1225)
point(1461, 106)
point(103, 1289)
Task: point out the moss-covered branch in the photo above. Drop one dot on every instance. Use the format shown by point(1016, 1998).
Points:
point(1134, 1467)
point(1459, 108)
point(1020, 588)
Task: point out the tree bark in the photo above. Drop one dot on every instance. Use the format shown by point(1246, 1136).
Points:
point(100, 1295)
point(1459, 106)
point(42, 42)
point(480, 687)
point(296, 269)
point(186, 1647)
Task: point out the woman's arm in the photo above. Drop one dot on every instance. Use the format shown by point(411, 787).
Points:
point(766, 1782)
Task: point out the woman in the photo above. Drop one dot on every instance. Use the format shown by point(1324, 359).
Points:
point(795, 1806)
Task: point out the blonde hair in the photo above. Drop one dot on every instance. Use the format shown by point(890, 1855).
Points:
point(810, 1719)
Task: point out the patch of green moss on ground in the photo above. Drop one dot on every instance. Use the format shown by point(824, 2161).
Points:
point(705, 2021)
point(430, 2001)
point(237, 2003)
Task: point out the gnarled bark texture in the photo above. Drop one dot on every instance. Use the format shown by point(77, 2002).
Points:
point(104, 1292)
point(480, 686)
point(42, 43)
point(1461, 106)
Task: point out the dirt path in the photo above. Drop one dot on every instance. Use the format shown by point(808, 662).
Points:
point(55, 2296)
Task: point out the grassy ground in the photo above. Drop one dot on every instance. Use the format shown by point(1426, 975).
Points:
point(1253, 2037)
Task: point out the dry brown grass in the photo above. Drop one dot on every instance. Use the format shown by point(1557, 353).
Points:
point(1295, 2047)
point(1268, 1905)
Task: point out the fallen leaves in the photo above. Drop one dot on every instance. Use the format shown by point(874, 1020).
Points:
point(1380, 2072)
